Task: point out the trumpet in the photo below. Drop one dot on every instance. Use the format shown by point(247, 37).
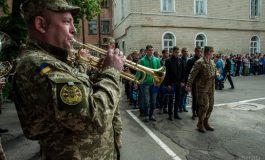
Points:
point(158, 75)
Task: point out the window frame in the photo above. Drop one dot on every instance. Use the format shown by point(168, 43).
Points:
point(257, 9)
point(123, 46)
point(257, 42)
point(122, 10)
point(204, 7)
point(205, 39)
point(168, 11)
point(102, 26)
point(105, 4)
point(174, 40)
point(95, 26)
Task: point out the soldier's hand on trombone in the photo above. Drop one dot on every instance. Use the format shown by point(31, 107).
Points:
point(114, 58)
point(85, 53)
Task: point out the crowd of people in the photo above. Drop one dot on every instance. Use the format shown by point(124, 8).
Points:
point(238, 65)
point(73, 116)
point(171, 96)
point(247, 64)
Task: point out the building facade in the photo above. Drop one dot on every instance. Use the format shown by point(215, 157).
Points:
point(99, 29)
point(236, 26)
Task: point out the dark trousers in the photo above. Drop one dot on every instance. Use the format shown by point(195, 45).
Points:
point(164, 106)
point(127, 89)
point(175, 103)
point(163, 98)
point(219, 84)
point(195, 105)
point(228, 76)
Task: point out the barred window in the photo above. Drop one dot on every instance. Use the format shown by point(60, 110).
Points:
point(254, 45)
point(200, 40)
point(168, 5)
point(105, 4)
point(168, 41)
point(105, 27)
point(200, 7)
point(92, 27)
point(254, 8)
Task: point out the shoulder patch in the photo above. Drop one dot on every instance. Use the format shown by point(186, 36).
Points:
point(70, 94)
point(43, 69)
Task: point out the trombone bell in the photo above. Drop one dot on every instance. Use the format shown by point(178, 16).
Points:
point(5, 66)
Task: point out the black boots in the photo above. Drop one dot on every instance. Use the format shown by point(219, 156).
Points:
point(207, 126)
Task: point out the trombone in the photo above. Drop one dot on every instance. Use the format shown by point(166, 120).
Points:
point(5, 66)
point(158, 75)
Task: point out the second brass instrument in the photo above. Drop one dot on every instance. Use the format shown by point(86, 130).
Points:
point(158, 75)
point(5, 66)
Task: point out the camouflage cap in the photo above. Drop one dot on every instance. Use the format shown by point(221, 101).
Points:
point(32, 7)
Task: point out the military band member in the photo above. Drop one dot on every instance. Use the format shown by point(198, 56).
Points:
point(57, 105)
point(204, 73)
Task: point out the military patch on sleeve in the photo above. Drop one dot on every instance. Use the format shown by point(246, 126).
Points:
point(43, 69)
point(70, 94)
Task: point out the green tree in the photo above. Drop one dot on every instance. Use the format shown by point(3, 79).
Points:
point(89, 10)
point(12, 24)
point(3, 4)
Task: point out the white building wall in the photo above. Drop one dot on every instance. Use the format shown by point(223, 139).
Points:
point(227, 25)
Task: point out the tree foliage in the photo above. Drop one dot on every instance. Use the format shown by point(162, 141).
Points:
point(14, 25)
point(4, 5)
point(89, 8)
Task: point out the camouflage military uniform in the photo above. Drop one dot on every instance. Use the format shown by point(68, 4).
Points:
point(204, 72)
point(2, 154)
point(58, 106)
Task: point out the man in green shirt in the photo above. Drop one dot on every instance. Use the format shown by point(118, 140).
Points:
point(148, 89)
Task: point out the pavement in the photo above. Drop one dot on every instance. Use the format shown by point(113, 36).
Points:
point(238, 118)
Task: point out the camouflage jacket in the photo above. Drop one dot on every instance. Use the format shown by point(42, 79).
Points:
point(204, 73)
point(71, 117)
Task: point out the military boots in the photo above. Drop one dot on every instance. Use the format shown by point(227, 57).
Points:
point(200, 126)
point(207, 126)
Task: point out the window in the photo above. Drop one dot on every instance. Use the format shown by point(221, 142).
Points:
point(92, 27)
point(122, 9)
point(105, 4)
point(123, 46)
point(168, 41)
point(168, 5)
point(200, 40)
point(254, 45)
point(254, 8)
point(200, 7)
point(105, 27)
point(114, 15)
